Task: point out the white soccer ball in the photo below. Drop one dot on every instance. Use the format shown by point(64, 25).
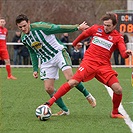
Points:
point(43, 112)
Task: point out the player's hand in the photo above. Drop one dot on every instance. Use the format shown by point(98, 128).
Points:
point(129, 52)
point(35, 75)
point(83, 26)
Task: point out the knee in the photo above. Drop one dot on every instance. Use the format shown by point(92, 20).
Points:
point(118, 91)
point(73, 83)
point(49, 89)
point(117, 88)
point(7, 62)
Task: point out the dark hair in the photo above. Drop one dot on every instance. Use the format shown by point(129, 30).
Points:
point(2, 18)
point(21, 18)
point(110, 15)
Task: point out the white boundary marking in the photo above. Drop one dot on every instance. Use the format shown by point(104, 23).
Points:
point(128, 121)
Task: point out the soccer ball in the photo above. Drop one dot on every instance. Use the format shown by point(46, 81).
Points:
point(43, 112)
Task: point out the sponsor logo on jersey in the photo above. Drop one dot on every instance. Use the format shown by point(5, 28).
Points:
point(99, 30)
point(2, 37)
point(63, 63)
point(102, 42)
point(36, 45)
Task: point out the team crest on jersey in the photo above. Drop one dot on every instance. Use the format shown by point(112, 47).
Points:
point(110, 38)
point(36, 45)
point(99, 30)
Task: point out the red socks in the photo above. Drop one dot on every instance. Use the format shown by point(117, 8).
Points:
point(8, 69)
point(116, 102)
point(61, 92)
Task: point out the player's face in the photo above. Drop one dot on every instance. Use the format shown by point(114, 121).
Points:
point(24, 26)
point(108, 26)
point(2, 22)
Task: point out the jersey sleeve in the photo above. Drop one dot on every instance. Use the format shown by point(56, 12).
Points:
point(84, 35)
point(34, 59)
point(122, 47)
point(53, 28)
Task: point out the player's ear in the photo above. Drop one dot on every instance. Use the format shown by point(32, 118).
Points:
point(28, 21)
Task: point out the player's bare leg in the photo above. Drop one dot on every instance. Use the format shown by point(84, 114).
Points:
point(49, 87)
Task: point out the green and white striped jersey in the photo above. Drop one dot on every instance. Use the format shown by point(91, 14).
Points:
point(41, 41)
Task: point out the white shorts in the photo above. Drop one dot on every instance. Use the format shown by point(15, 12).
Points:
point(50, 70)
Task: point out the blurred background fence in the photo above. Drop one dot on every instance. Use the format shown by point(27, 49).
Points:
point(128, 61)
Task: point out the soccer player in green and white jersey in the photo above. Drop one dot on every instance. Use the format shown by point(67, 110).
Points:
point(41, 42)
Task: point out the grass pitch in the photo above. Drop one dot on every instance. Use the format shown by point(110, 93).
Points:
point(19, 99)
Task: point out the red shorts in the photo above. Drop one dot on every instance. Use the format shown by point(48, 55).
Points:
point(87, 71)
point(4, 54)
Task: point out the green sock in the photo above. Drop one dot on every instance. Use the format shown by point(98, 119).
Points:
point(82, 89)
point(60, 103)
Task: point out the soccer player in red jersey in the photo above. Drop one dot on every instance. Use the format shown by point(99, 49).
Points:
point(96, 61)
point(3, 48)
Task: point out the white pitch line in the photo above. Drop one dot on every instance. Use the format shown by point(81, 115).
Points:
point(128, 102)
point(128, 121)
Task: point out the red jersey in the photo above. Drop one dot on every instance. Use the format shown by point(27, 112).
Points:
point(3, 35)
point(102, 44)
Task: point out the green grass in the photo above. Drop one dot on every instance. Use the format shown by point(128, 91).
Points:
point(19, 99)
